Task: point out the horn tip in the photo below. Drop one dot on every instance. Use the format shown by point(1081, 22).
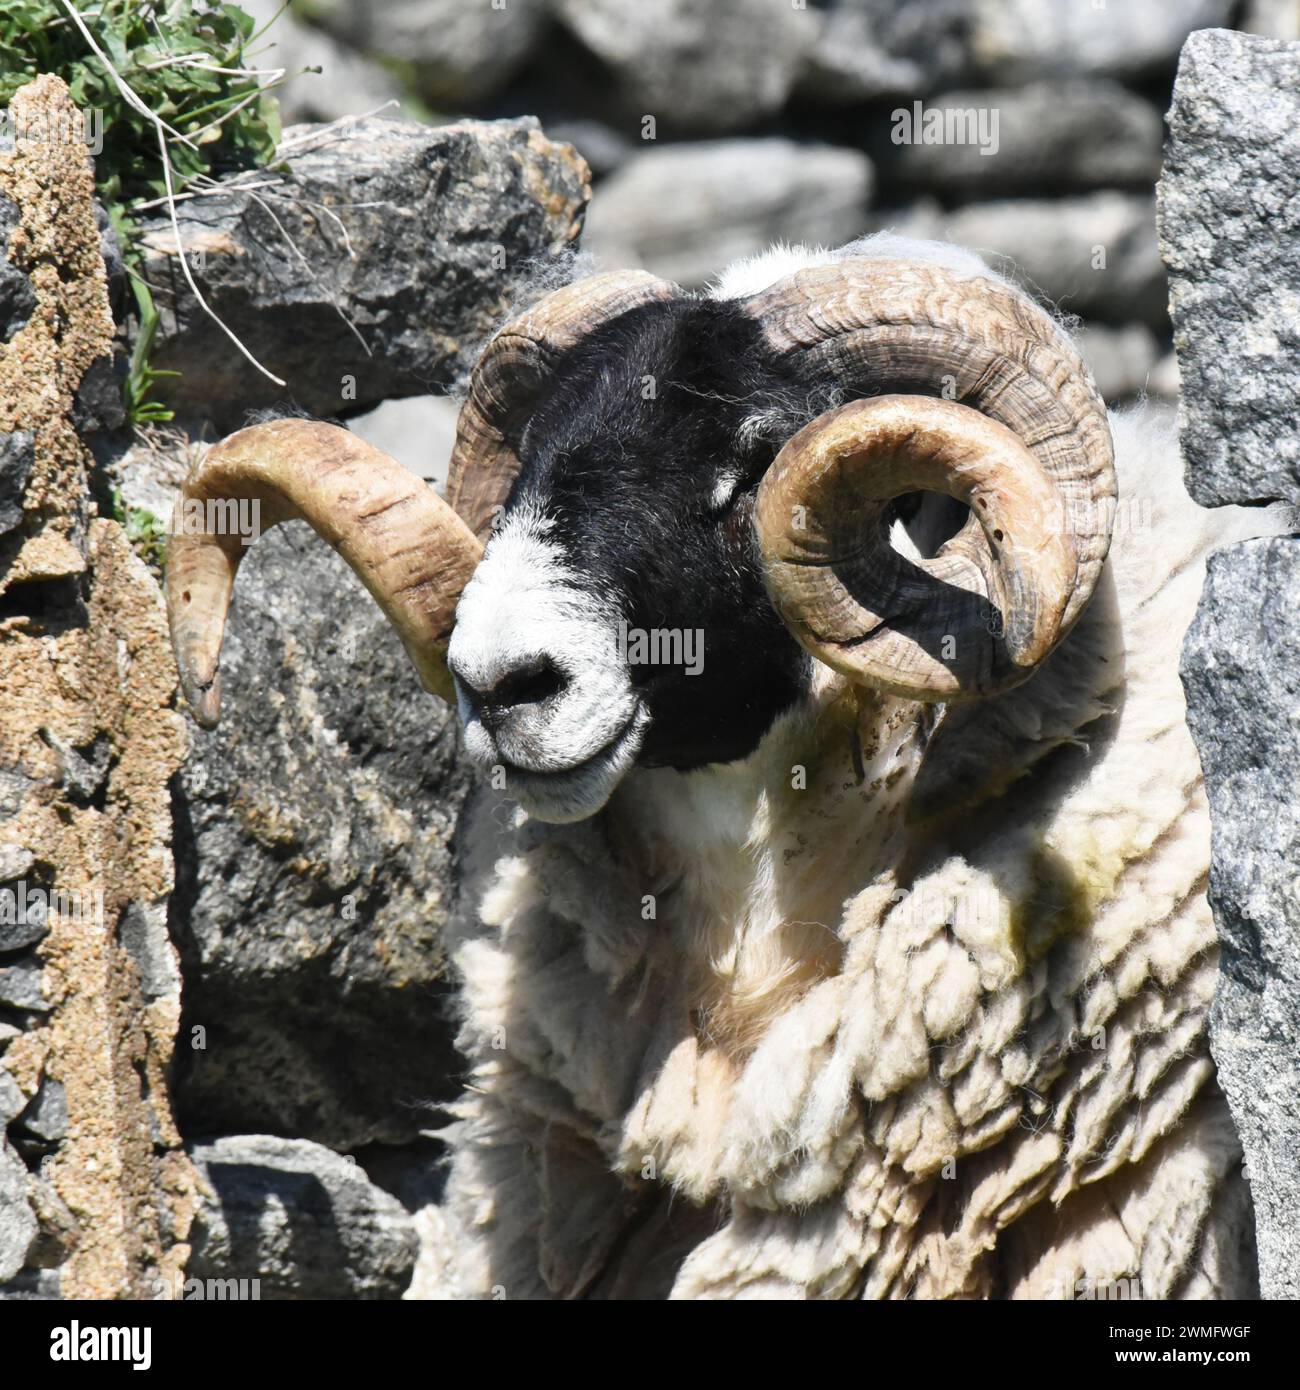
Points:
point(204, 700)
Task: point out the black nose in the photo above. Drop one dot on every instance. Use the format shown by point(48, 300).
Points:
point(527, 684)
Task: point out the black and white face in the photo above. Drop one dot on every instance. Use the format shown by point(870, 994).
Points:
point(618, 616)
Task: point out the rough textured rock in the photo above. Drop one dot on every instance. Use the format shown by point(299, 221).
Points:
point(874, 48)
point(12, 1099)
point(387, 250)
point(314, 835)
point(1241, 671)
point(684, 211)
point(21, 987)
point(1019, 40)
point(1065, 136)
point(15, 469)
point(457, 51)
point(1095, 256)
point(17, 1220)
point(1228, 227)
point(694, 67)
point(44, 1122)
point(88, 744)
point(17, 298)
point(1230, 233)
point(305, 1222)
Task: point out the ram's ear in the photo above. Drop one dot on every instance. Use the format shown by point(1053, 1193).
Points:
point(405, 544)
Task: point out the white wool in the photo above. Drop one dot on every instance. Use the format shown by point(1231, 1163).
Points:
point(936, 1031)
point(751, 274)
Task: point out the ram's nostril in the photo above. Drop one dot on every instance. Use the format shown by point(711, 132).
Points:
point(529, 684)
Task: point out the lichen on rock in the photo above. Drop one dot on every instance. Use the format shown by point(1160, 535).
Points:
point(88, 743)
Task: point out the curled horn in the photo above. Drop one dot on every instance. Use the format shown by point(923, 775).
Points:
point(512, 372)
point(977, 394)
point(409, 549)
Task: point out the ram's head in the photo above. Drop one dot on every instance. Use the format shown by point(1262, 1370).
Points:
point(660, 517)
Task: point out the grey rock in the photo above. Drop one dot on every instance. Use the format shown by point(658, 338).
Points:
point(13, 791)
point(1230, 233)
point(57, 1230)
point(1095, 256)
point(1021, 40)
point(867, 49)
point(12, 1100)
point(314, 859)
point(306, 1222)
point(1241, 673)
point(17, 297)
point(82, 768)
point(1121, 359)
point(142, 930)
point(46, 1118)
point(696, 68)
point(17, 1221)
point(1063, 136)
point(374, 268)
point(18, 935)
point(456, 53)
point(32, 1286)
point(16, 458)
point(97, 406)
point(20, 986)
point(684, 211)
point(111, 250)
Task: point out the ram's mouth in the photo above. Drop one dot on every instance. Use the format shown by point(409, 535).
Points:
point(576, 792)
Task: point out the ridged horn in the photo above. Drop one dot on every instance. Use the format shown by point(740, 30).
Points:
point(406, 545)
point(987, 401)
point(975, 619)
point(512, 373)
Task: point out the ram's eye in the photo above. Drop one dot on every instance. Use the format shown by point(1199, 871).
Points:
point(724, 494)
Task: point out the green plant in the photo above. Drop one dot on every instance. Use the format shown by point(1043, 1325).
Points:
point(188, 63)
point(146, 533)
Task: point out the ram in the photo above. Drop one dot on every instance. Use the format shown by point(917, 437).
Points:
point(867, 953)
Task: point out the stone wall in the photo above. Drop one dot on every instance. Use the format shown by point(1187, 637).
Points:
point(96, 1193)
point(1230, 233)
